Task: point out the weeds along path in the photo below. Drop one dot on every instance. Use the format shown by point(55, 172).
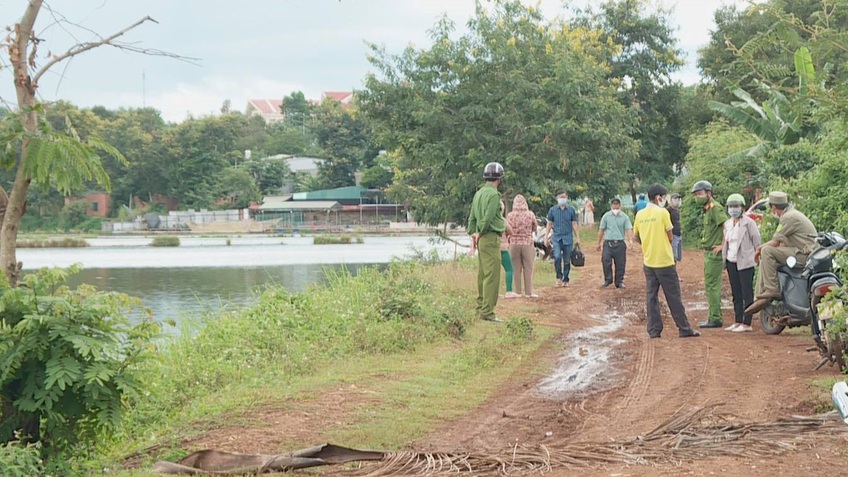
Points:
point(643, 382)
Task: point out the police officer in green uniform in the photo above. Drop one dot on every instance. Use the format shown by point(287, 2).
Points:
point(486, 225)
point(712, 237)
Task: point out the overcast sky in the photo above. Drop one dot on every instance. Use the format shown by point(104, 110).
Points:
point(256, 48)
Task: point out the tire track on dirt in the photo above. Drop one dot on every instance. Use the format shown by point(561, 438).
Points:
point(640, 382)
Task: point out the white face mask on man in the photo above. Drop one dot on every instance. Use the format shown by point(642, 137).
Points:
point(615, 211)
point(562, 201)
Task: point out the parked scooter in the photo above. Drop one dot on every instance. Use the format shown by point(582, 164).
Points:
point(802, 290)
point(543, 251)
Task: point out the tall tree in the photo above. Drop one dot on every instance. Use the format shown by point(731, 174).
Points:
point(516, 89)
point(346, 141)
point(642, 65)
point(139, 135)
point(199, 150)
point(756, 44)
point(37, 153)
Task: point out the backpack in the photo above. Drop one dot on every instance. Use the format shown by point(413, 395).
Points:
point(578, 258)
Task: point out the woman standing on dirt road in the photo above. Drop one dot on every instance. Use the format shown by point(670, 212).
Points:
point(523, 224)
point(741, 240)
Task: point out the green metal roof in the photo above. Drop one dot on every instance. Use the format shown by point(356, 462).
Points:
point(341, 193)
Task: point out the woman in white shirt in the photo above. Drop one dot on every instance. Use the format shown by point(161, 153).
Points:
point(741, 240)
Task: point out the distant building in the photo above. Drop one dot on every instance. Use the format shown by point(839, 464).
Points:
point(344, 97)
point(270, 109)
point(344, 206)
point(299, 166)
point(98, 203)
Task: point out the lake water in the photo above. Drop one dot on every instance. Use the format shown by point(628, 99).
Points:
point(205, 274)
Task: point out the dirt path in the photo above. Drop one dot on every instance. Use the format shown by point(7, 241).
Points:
point(644, 381)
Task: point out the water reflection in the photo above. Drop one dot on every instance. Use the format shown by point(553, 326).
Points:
point(178, 292)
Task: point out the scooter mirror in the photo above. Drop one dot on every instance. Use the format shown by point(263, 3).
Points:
point(791, 262)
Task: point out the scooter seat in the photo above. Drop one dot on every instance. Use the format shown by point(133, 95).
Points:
point(792, 272)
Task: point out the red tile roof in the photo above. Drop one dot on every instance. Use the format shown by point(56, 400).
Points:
point(340, 96)
point(267, 106)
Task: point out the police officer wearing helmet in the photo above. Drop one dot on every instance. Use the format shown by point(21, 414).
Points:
point(712, 235)
point(486, 225)
point(741, 240)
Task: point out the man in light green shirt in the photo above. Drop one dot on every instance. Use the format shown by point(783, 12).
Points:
point(485, 225)
point(612, 230)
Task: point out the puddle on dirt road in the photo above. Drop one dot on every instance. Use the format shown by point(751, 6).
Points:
point(585, 366)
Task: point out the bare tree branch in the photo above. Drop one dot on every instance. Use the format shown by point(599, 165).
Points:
point(109, 40)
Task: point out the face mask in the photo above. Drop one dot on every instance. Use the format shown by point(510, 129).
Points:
point(562, 201)
point(734, 212)
point(676, 202)
point(616, 211)
point(702, 200)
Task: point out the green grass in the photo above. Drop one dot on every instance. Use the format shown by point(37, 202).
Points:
point(165, 241)
point(406, 334)
point(337, 239)
point(61, 242)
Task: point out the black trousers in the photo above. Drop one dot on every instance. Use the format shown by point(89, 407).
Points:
point(614, 251)
point(742, 286)
point(667, 279)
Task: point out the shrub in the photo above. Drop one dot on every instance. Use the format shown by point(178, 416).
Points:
point(710, 158)
point(20, 460)
point(68, 359)
point(73, 214)
point(336, 239)
point(165, 241)
point(65, 242)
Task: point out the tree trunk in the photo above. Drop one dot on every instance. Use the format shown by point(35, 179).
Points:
point(19, 56)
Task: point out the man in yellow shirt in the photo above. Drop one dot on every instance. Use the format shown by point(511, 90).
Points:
point(653, 231)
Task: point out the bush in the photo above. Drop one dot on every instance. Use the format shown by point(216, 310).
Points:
point(68, 360)
point(73, 214)
point(336, 239)
point(65, 242)
point(165, 241)
point(711, 158)
point(20, 460)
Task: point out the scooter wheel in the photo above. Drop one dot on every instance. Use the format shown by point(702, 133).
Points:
point(767, 317)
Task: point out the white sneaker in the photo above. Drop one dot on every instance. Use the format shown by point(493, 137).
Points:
point(743, 329)
point(559, 283)
point(532, 295)
point(733, 327)
point(512, 295)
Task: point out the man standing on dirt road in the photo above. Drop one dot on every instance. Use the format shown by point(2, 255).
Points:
point(712, 238)
point(614, 227)
point(486, 225)
point(562, 218)
point(653, 231)
point(795, 236)
point(676, 231)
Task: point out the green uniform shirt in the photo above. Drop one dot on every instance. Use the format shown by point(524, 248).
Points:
point(486, 213)
point(615, 226)
point(714, 220)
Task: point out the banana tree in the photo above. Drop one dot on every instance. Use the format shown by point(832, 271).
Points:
point(778, 121)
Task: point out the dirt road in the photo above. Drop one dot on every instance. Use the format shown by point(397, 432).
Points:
point(604, 379)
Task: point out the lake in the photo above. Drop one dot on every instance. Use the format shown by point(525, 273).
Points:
point(205, 274)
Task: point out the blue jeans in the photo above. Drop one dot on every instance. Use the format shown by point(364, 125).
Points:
point(677, 247)
point(562, 257)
